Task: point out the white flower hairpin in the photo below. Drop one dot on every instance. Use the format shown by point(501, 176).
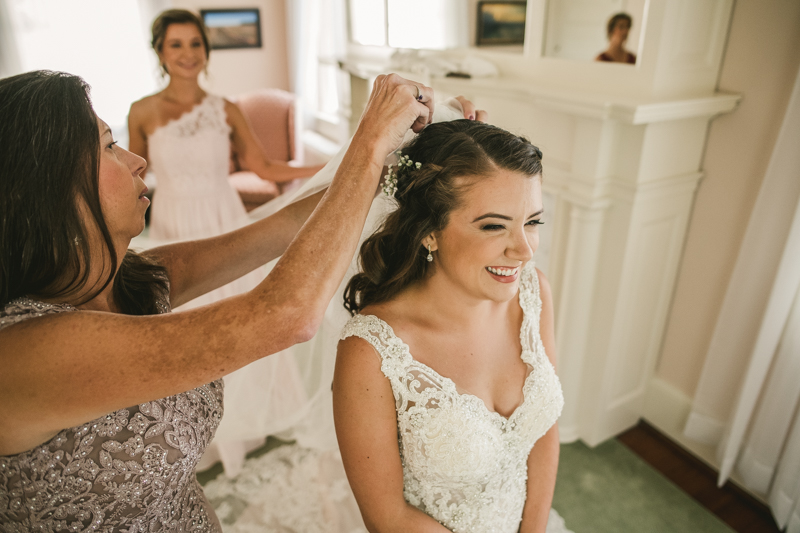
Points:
point(404, 165)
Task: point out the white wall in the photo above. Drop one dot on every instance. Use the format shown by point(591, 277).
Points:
point(232, 72)
point(761, 62)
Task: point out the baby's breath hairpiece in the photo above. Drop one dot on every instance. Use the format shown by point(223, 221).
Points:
point(404, 165)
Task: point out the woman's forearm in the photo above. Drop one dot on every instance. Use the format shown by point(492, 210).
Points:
point(280, 171)
point(542, 470)
point(408, 519)
point(197, 267)
point(311, 269)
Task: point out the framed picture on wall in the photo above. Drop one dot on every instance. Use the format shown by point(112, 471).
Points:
point(232, 28)
point(501, 22)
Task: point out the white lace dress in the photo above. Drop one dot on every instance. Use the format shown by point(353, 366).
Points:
point(190, 157)
point(193, 200)
point(464, 465)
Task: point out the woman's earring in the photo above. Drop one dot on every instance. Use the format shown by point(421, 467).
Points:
point(430, 255)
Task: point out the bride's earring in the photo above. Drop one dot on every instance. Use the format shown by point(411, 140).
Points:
point(430, 255)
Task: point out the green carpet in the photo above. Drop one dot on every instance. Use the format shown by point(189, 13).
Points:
point(609, 489)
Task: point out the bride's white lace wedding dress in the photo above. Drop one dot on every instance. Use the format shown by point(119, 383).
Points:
point(464, 465)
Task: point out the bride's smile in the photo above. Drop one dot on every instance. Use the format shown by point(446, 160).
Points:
point(488, 238)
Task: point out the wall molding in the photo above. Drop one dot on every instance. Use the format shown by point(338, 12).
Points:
point(591, 104)
point(667, 409)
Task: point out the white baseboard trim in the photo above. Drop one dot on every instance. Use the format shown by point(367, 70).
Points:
point(705, 429)
point(667, 409)
point(665, 406)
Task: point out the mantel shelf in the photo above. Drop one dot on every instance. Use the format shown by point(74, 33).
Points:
point(594, 105)
point(588, 103)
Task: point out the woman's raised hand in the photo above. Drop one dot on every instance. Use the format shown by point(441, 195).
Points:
point(395, 105)
point(471, 112)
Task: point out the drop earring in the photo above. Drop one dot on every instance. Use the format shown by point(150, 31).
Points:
point(430, 255)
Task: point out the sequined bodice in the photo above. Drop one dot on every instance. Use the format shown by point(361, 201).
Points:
point(132, 470)
point(464, 465)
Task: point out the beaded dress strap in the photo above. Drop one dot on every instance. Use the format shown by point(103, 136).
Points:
point(24, 308)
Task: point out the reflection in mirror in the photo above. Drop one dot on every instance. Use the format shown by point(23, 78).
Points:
point(579, 29)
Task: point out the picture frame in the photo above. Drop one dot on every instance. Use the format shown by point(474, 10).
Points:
point(501, 22)
point(232, 28)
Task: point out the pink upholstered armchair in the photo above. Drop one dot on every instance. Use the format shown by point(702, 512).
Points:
point(270, 113)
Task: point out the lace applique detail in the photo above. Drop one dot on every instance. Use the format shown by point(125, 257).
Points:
point(291, 488)
point(131, 470)
point(208, 115)
point(464, 465)
point(288, 489)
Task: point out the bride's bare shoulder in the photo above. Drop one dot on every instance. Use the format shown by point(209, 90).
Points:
point(392, 312)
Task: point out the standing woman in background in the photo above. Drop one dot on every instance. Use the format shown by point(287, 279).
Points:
point(185, 134)
point(617, 30)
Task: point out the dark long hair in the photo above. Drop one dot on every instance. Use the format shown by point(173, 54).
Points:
point(393, 257)
point(49, 166)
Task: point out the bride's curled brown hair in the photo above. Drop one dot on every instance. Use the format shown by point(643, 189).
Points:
point(393, 257)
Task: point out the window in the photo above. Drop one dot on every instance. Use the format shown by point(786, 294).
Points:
point(104, 42)
point(420, 24)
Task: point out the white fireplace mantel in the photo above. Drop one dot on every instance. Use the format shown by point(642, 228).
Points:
point(623, 150)
point(619, 183)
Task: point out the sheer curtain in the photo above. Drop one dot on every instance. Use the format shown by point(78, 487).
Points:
point(748, 397)
point(316, 34)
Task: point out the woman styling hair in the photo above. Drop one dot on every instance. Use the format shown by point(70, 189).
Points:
point(107, 400)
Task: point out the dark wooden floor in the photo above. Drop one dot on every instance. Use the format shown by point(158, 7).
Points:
point(731, 504)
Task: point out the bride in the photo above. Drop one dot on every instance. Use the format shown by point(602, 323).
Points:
point(302, 486)
point(445, 394)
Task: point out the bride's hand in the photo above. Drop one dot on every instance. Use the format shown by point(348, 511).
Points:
point(470, 112)
point(395, 105)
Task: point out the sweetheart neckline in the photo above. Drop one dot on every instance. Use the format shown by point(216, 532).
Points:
point(468, 395)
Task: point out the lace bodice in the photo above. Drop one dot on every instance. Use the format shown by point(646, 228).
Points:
point(464, 465)
point(190, 155)
point(132, 470)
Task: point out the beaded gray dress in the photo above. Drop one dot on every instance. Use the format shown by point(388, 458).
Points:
point(130, 471)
